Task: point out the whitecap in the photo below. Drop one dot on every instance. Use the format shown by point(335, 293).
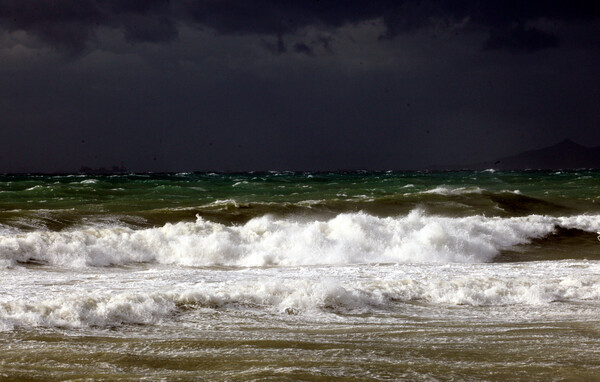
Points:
point(443, 190)
point(349, 238)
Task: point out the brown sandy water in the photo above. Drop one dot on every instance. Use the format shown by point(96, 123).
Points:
point(416, 351)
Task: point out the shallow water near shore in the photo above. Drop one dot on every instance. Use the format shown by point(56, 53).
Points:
point(301, 276)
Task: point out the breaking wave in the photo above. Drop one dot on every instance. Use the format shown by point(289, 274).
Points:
point(348, 238)
point(316, 295)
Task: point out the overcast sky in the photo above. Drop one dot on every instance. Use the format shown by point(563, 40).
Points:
point(187, 85)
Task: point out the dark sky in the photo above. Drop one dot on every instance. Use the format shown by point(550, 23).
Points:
point(187, 85)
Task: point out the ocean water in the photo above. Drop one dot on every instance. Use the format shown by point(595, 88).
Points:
point(301, 276)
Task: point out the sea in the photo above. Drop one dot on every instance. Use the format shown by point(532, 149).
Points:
point(285, 276)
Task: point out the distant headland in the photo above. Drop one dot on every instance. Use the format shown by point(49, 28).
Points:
point(563, 155)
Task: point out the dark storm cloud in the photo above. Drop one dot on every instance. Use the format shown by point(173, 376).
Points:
point(301, 47)
point(278, 47)
point(238, 85)
point(67, 24)
point(518, 39)
point(72, 24)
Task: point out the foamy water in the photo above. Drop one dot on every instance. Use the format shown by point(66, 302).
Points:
point(289, 276)
point(118, 297)
point(345, 239)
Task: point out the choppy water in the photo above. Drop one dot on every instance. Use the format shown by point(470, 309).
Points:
point(441, 276)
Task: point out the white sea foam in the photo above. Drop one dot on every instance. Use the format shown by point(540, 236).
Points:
point(443, 190)
point(85, 311)
point(346, 239)
point(223, 203)
point(36, 187)
point(155, 296)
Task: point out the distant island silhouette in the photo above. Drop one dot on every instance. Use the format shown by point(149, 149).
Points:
point(563, 155)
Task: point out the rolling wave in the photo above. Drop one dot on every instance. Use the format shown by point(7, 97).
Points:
point(348, 238)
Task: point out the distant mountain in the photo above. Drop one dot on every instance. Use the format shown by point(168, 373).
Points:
point(563, 155)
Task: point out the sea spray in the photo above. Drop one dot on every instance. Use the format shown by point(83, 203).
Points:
point(266, 241)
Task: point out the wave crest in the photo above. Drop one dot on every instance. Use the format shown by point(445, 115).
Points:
point(345, 239)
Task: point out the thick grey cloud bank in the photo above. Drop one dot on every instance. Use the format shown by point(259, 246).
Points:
point(72, 24)
point(237, 85)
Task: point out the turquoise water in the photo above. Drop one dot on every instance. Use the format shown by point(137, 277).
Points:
point(149, 199)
